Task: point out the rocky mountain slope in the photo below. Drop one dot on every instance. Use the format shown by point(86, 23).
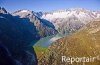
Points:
point(64, 21)
point(44, 27)
point(84, 43)
point(70, 20)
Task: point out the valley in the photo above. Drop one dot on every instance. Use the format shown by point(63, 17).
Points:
point(43, 37)
point(80, 44)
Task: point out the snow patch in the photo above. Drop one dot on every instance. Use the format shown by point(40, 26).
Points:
point(24, 11)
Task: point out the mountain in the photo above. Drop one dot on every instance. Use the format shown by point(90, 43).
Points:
point(20, 30)
point(16, 37)
point(2, 10)
point(84, 43)
point(44, 27)
point(70, 20)
point(39, 14)
point(64, 21)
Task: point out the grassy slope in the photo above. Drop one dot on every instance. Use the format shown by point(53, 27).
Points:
point(40, 50)
point(81, 44)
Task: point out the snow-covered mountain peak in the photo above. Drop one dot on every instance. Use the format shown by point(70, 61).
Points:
point(77, 12)
point(66, 21)
point(23, 13)
point(70, 19)
point(2, 10)
point(78, 9)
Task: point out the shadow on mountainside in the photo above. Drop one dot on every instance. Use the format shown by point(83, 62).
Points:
point(16, 35)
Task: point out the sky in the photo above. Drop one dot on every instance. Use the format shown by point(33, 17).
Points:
point(49, 5)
